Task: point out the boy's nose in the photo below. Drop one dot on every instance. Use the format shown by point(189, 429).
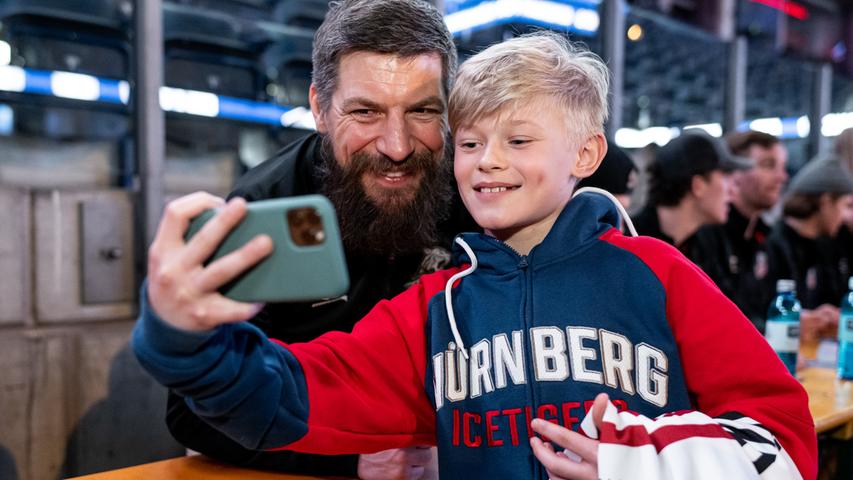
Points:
point(492, 159)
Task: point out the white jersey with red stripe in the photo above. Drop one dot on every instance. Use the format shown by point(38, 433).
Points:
point(687, 444)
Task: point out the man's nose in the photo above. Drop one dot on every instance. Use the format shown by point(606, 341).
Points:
point(396, 141)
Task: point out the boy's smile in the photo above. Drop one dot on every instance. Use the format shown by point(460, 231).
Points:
point(490, 188)
point(514, 169)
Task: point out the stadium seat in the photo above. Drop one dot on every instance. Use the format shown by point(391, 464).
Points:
point(82, 36)
point(301, 13)
point(211, 52)
point(288, 64)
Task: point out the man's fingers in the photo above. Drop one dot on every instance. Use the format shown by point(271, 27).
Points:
point(204, 243)
point(415, 472)
point(177, 216)
point(224, 269)
point(418, 455)
point(217, 310)
point(565, 438)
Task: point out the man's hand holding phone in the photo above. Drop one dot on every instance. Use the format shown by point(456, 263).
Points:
point(182, 290)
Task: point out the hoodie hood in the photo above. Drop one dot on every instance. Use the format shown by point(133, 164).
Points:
point(584, 218)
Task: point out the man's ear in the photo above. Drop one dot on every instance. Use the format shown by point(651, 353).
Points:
point(590, 155)
point(698, 185)
point(319, 115)
point(826, 201)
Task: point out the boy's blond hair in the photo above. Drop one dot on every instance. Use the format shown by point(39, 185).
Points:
point(509, 74)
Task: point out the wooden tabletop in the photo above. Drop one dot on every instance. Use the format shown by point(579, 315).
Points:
point(830, 399)
point(189, 468)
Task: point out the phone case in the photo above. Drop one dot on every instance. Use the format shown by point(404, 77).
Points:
point(307, 262)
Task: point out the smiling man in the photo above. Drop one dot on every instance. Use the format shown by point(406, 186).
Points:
point(382, 74)
point(742, 249)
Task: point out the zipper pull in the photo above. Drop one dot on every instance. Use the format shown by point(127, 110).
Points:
point(523, 262)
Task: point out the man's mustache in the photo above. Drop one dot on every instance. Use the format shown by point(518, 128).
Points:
point(380, 164)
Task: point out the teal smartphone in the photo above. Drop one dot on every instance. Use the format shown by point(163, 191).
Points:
point(307, 261)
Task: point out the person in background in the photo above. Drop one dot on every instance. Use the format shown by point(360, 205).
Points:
point(617, 174)
point(551, 312)
point(689, 186)
point(736, 252)
point(844, 240)
point(799, 246)
point(382, 73)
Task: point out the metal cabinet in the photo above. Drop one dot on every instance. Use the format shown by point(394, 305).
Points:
point(83, 255)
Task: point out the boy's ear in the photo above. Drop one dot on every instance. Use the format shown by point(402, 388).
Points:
point(590, 156)
point(319, 116)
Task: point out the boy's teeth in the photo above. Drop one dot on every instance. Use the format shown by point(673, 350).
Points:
point(493, 189)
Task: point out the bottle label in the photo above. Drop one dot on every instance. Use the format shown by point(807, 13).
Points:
point(783, 336)
point(845, 328)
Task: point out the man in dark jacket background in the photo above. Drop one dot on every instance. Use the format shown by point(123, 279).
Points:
point(740, 249)
point(381, 75)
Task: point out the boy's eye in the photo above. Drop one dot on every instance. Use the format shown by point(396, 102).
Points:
point(467, 145)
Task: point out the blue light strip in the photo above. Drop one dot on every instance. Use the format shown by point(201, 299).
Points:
point(38, 82)
point(579, 16)
point(249, 111)
point(112, 91)
point(451, 6)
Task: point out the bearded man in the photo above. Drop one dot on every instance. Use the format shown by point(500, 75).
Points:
point(381, 76)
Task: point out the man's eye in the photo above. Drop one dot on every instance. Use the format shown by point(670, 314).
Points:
point(426, 112)
point(363, 112)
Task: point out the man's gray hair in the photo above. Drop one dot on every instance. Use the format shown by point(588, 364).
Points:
point(406, 28)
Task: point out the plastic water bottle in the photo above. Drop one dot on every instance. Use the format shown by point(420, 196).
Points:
point(845, 335)
point(782, 330)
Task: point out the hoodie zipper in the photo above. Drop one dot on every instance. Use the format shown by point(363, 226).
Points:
point(527, 324)
point(523, 264)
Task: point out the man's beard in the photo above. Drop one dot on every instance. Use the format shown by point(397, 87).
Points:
point(399, 222)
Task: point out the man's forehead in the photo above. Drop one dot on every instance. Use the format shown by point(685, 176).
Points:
point(774, 152)
point(418, 74)
point(380, 57)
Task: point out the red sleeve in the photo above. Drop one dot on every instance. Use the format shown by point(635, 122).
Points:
point(728, 365)
point(366, 389)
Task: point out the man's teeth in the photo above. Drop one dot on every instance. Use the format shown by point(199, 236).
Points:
point(494, 189)
point(394, 174)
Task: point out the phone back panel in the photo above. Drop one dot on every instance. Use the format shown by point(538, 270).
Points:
point(292, 272)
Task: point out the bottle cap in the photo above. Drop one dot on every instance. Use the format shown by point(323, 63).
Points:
point(785, 285)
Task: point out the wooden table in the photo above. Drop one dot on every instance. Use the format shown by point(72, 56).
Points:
point(189, 468)
point(830, 401)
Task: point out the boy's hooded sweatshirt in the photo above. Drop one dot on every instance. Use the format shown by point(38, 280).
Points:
point(587, 311)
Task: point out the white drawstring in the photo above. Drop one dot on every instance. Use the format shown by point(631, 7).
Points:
point(622, 212)
point(447, 302)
